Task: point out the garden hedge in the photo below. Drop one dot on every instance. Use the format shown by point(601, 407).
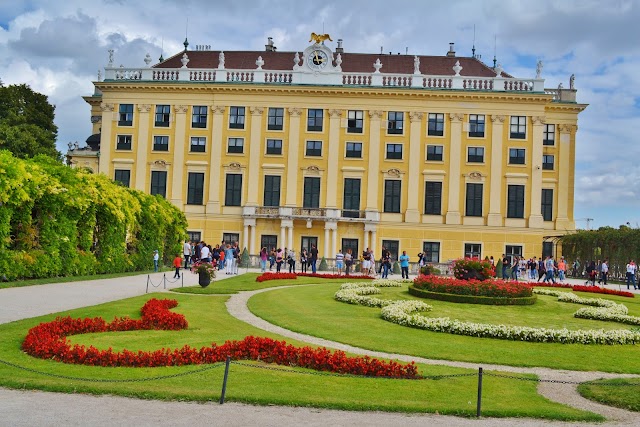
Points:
point(58, 221)
point(471, 299)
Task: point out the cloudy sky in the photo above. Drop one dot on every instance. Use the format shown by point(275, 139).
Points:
point(58, 47)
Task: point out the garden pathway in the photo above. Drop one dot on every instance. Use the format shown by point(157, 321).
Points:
point(36, 408)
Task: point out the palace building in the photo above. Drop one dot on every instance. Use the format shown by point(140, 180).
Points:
point(437, 154)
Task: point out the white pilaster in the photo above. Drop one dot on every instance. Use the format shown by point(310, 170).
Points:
point(365, 242)
point(252, 240)
point(455, 158)
point(535, 215)
point(413, 189)
point(107, 140)
point(290, 237)
point(215, 162)
point(178, 154)
point(254, 154)
point(245, 237)
point(332, 153)
point(326, 243)
point(334, 241)
point(494, 218)
point(292, 157)
point(564, 192)
point(142, 142)
point(373, 174)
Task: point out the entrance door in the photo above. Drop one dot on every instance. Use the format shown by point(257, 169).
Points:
point(307, 241)
point(268, 241)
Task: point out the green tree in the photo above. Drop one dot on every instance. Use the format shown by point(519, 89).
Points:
point(26, 122)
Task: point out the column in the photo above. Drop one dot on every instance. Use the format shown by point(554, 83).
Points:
point(373, 242)
point(245, 236)
point(333, 152)
point(455, 157)
point(413, 189)
point(107, 141)
point(292, 157)
point(177, 188)
point(565, 191)
point(254, 155)
point(334, 240)
point(290, 237)
point(283, 230)
point(252, 239)
point(494, 218)
point(535, 215)
point(142, 143)
point(365, 243)
point(373, 173)
point(326, 243)
point(215, 162)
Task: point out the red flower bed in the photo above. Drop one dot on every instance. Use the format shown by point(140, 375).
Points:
point(488, 288)
point(275, 276)
point(590, 289)
point(48, 341)
point(336, 276)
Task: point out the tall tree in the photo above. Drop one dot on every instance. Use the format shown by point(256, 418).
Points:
point(26, 122)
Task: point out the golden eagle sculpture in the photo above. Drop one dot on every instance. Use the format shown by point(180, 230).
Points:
point(320, 38)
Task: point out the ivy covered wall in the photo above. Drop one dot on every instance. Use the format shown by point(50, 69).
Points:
point(57, 221)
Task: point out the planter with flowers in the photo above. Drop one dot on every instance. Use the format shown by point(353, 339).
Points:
point(206, 272)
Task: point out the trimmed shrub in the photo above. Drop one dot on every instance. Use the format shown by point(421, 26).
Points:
point(471, 299)
point(323, 265)
point(473, 269)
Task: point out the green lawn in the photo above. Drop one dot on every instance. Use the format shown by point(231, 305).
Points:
point(312, 310)
point(621, 393)
point(209, 322)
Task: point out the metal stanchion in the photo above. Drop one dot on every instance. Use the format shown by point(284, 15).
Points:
point(478, 409)
point(148, 278)
point(164, 279)
point(224, 381)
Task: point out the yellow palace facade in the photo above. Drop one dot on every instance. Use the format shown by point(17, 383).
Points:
point(436, 154)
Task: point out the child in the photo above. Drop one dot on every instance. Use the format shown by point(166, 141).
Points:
point(177, 261)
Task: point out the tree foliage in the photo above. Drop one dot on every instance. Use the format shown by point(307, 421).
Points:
point(57, 221)
point(26, 122)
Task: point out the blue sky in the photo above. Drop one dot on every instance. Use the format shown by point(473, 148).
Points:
point(58, 47)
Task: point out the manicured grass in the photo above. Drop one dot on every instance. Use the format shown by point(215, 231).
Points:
point(312, 310)
point(247, 282)
point(621, 392)
point(46, 280)
point(210, 322)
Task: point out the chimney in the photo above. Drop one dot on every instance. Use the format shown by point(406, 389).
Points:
point(269, 47)
point(452, 51)
point(339, 49)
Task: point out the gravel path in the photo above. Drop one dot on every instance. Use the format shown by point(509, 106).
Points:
point(36, 408)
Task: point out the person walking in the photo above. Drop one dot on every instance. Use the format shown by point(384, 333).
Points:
point(549, 270)
point(348, 261)
point(562, 269)
point(592, 272)
point(186, 252)
point(291, 260)
point(314, 258)
point(263, 260)
point(156, 258)
point(605, 271)
point(385, 262)
point(404, 264)
point(228, 259)
point(304, 260)
point(631, 274)
point(177, 263)
point(272, 258)
point(279, 260)
point(339, 261)
point(505, 267)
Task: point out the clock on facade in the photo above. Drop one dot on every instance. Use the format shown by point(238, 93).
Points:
point(317, 59)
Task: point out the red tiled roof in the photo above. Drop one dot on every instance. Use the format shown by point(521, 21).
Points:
point(351, 62)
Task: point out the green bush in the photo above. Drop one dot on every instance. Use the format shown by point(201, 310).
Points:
point(471, 299)
point(430, 269)
point(244, 259)
point(323, 265)
point(473, 269)
point(58, 221)
point(396, 268)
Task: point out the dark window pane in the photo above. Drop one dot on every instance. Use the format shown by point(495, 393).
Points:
point(394, 151)
point(431, 251)
point(474, 200)
point(351, 201)
point(163, 113)
point(354, 150)
point(274, 146)
point(434, 152)
point(233, 190)
point(314, 148)
point(311, 196)
point(275, 119)
point(392, 195)
point(314, 120)
point(515, 201)
point(195, 188)
point(436, 124)
point(236, 117)
point(547, 204)
point(123, 177)
point(159, 183)
point(433, 198)
point(272, 190)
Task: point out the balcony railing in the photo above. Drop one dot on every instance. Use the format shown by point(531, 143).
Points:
point(309, 212)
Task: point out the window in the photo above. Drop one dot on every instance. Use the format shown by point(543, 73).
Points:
point(198, 144)
point(354, 150)
point(230, 238)
point(431, 251)
point(235, 145)
point(311, 196)
point(475, 155)
point(275, 119)
point(511, 251)
point(351, 200)
point(236, 117)
point(515, 201)
point(314, 148)
point(434, 152)
point(518, 129)
point(195, 188)
point(194, 236)
point(307, 241)
point(199, 116)
point(474, 200)
point(547, 249)
point(122, 177)
point(274, 146)
point(547, 162)
point(549, 135)
point(476, 125)
point(472, 250)
point(160, 143)
point(395, 122)
point(233, 190)
point(159, 183)
point(355, 121)
point(272, 190)
point(269, 241)
point(163, 115)
point(547, 204)
point(314, 120)
point(433, 198)
point(394, 151)
point(392, 195)
point(350, 244)
point(393, 246)
point(436, 124)
point(125, 115)
point(516, 156)
point(123, 142)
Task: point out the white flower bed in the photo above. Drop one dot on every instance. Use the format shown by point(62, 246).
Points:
point(407, 313)
point(390, 283)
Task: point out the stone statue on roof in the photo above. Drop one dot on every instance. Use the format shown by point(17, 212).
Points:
point(221, 61)
point(416, 65)
point(539, 69)
point(572, 81)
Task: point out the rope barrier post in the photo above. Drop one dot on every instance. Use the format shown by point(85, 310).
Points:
point(147, 291)
point(182, 277)
point(478, 409)
point(164, 278)
point(224, 381)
